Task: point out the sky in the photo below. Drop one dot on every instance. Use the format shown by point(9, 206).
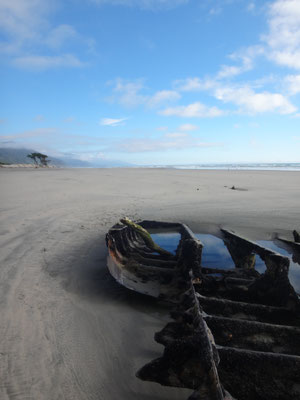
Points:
point(152, 82)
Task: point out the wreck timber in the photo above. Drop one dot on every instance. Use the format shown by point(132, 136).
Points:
point(293, 247)
point(235, 333)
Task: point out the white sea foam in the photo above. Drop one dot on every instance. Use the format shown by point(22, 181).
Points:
point(237, 166)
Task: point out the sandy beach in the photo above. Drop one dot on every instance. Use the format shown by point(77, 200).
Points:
point(68, 330)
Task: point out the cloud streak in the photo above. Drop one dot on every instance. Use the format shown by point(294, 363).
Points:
point(255, 103)
point(283, 38)
point(292, 84)
point(38, 62)
point(29, 36)
point(112, 121)
point(131, 94)
point(29, 134)
point(194, 110)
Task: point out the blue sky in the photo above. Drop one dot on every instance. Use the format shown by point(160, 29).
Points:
point(152, 81)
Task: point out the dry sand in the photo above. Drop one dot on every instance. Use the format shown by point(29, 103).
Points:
point(68, 331)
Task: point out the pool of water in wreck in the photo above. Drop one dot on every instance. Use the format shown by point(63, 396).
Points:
point(294, 271)
point(168, 240)
point(216, 255)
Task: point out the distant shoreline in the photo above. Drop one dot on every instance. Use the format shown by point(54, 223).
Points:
point(235, 166)
point(214, 167)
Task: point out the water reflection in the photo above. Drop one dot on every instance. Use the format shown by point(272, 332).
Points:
point(260, 265)
point(215, 253)
point(294, 271)
point(167, 240)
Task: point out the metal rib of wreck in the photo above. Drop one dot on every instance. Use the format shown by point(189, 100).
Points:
point(236, 333)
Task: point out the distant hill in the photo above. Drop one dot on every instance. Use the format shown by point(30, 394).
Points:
point(19, 156)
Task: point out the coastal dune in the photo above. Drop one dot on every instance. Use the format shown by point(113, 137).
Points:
point(68, 330)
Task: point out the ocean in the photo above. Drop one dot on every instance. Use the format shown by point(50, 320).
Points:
point(236, 166)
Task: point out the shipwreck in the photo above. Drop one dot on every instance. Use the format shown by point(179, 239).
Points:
point(235, 332)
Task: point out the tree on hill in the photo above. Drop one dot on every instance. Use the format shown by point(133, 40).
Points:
point(43, 159)
point(39, 159)
point(33, 156)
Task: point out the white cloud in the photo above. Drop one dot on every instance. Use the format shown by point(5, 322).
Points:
point(130, 94)
point(27, 32)
point(252, 103)
point(288, 58)
point(187, 127)
point(251, 6)
point(194, 84)
point(22, 19)
point(227, 71)
point(59, 35)
point(194, 110)
point(90, 156)
point(283, 38)
point(127, 93)
point(37, 62)
point(29, 134)
point(176, 135)
point(215, 11)
point(163, 96)
point(144, 4)
point(246, 57)
point(292, 83)
point(112, 121)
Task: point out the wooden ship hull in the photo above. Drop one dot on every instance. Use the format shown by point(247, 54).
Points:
point(235, 334)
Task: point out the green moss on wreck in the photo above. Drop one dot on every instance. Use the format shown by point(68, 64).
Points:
point(146, 236)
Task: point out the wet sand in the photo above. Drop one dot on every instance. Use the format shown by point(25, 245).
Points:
point(68, 331)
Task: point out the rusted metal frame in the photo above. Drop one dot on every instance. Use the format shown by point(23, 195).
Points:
point(258, 375)
point(246, 334)
point(271, 288)
point(276, 267)
point(247, 374)
point(270, 257)
point(189, 253)
point(194, 351)
point(292, 247)
point(203, 352)
point(248, 311)
point(254, 335)
point(209, 355)
point(150, 224)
